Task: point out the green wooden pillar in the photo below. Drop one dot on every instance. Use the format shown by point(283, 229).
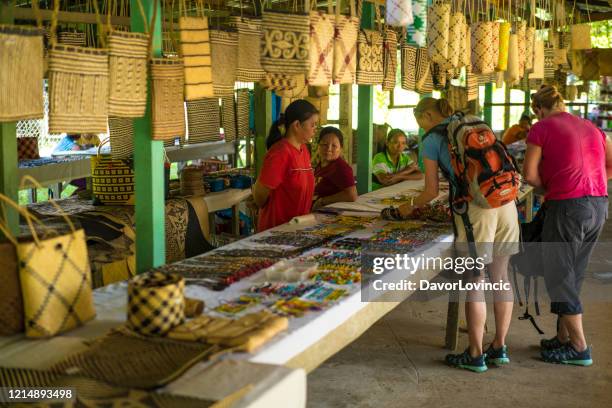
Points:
point(8, 144)
point(365, 98)
point(488, 100)
point(148, 166)
point(527, 102)
point(263, 122)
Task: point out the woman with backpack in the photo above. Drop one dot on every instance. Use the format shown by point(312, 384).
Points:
point(489, 226)
point(572, 160)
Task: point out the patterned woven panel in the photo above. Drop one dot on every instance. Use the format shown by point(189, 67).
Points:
point(75, 38)
point(243, 108)
point(549, 62)
point(249, 42)
point(321, 48)
point(280, 82)
point(112, 181)
point(409, 57)
point(78, 90)
point(204, 120)
point(504, 42)
point(177, 218)
point(56, 284)
point(471, 82)
point(121, 133)
point(21, 73)
point(426, 85)
point(390, 59)
point(128, 74)
point(370, 58)
point(168, 113)
point(455, 37)
point(300, 90)
point(27, 148)
point(465, 59)
point(590, 68)
point(438, 76)
point(457, 97)
point(438, 22)
point(482, 49)
point(196, 53)
point(155, 303)
point(511, 74)
point(521, 34)
point(135, 362)
point(224, 45)
point(529, 48)
point(495, 41)
point(11, 303)
point(398, 13)
point(345, 49)
point(228, 117)
point(286, 42)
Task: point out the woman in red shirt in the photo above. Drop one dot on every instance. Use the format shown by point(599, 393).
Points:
point(333, 176)
point(285, 184)
point(572, 160)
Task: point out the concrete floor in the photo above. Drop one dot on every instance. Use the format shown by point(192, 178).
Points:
point(398, 362)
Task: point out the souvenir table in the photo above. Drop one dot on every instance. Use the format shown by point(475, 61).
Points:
point(53, 171)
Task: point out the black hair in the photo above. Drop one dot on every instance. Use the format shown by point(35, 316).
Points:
point(526, 117)
point(300, 110)
point(332, 130)
point(73, 136)
point(395, 132)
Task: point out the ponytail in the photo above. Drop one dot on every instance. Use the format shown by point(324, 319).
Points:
point(444, 107)
point(275, 134)
point(441, 106)
point(300, 110)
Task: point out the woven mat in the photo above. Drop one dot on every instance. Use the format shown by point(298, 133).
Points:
point(134, 362)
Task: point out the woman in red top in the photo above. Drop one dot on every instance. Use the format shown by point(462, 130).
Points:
point(572, 160)
point(285, 184)
point(333, 176)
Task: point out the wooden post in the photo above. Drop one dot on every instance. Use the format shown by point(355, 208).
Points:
point(346, 120)
point(365, 121)
point(8, 144)
point(263, 122)
point(488, 109)
point(148, 166)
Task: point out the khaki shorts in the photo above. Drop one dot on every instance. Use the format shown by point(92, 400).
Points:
point(496, 231)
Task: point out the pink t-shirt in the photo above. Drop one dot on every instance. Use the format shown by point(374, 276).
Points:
point(573, 157)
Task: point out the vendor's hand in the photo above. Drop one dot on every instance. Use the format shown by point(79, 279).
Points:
point(317, 203)
point(391, 214)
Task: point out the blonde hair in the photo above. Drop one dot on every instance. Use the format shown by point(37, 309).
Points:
point(547, 97)
point(429, 104)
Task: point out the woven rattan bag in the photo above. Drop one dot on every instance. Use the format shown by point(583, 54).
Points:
point(471, 84)
point(21, 73)
point(398, 13)
point(168, 112)
point(370, 68)
point(581, 37)
point(286, 42)
point(549, 62)
point(322, 26)
point(121, 135)
point(521, 37)
point(204, 120)
point(228, 118)
point(438, 23)
point(605, 61)
point(504, 43)
point(78, 90)
point(112, 179)
point(345, 46)
point(415, 67)
point(455, 37)
point(538, 60)
point(465, 58)
point(389, 59)
point(196, 53)
point(590, 65)
point(224, 47)
point(128, 54)
point(529, 48)
point(495, 41)
point(482, 50)
point(243, 107)
point(512, 74)
point(249, 42)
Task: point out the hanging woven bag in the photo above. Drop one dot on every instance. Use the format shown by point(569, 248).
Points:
point(322, 26)
point(345, 45)
point(438, 23)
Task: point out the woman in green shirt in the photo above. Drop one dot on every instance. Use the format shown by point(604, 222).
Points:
point(393, 165)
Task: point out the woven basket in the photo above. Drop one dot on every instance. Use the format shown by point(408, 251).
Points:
point(581, 36)
point(286, 42)
point(249, 42)
point(121, 134)
point(389, 59)
point(512, 74)
point(455, 37)
point(538, 60)
point(345, 48)
point(482, 49)
point(196, 53)
point(112, 180)
point(78, 90)
point(504, 42)
point(529, 48)
point(415, 68)
point(321, 52)
point(495, 42)
point(204, 120)
point(168, 112)
point(75, 38)
point(224, 48)
point(128, 74)
point(243, 107)
point(438, 23)
point(521, 35)
point(465, 59)
point(21, 73)
point(228, 118)
point(370, 69)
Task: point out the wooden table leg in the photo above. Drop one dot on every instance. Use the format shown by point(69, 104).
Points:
point(235, 221)
point(452, 321)
point(33, 196)
point(529, 207)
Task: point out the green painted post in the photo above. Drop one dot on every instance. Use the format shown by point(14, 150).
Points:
point(148, 166)
point(527, 102)
point(263, 122)
point(8, 145)
point(365, 99)
point(488, 100)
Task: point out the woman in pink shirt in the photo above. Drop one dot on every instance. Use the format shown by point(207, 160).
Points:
point(572, 160)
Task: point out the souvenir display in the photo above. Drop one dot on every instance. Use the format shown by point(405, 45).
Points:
point(238, 305)
point(294, 239)
point(285, 290)
point(348, 244)
point(296, 307)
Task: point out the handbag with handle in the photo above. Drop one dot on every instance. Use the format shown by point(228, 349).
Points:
point(481, 39)
point(55, 277)
point(249, 40)
point(390, 59)
point(224, 48)
point(112, 179)
point(167, 86)
point(285, 47)
point(322, 26)
point(195, 50)
point(345, 45)
point(581, 36)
